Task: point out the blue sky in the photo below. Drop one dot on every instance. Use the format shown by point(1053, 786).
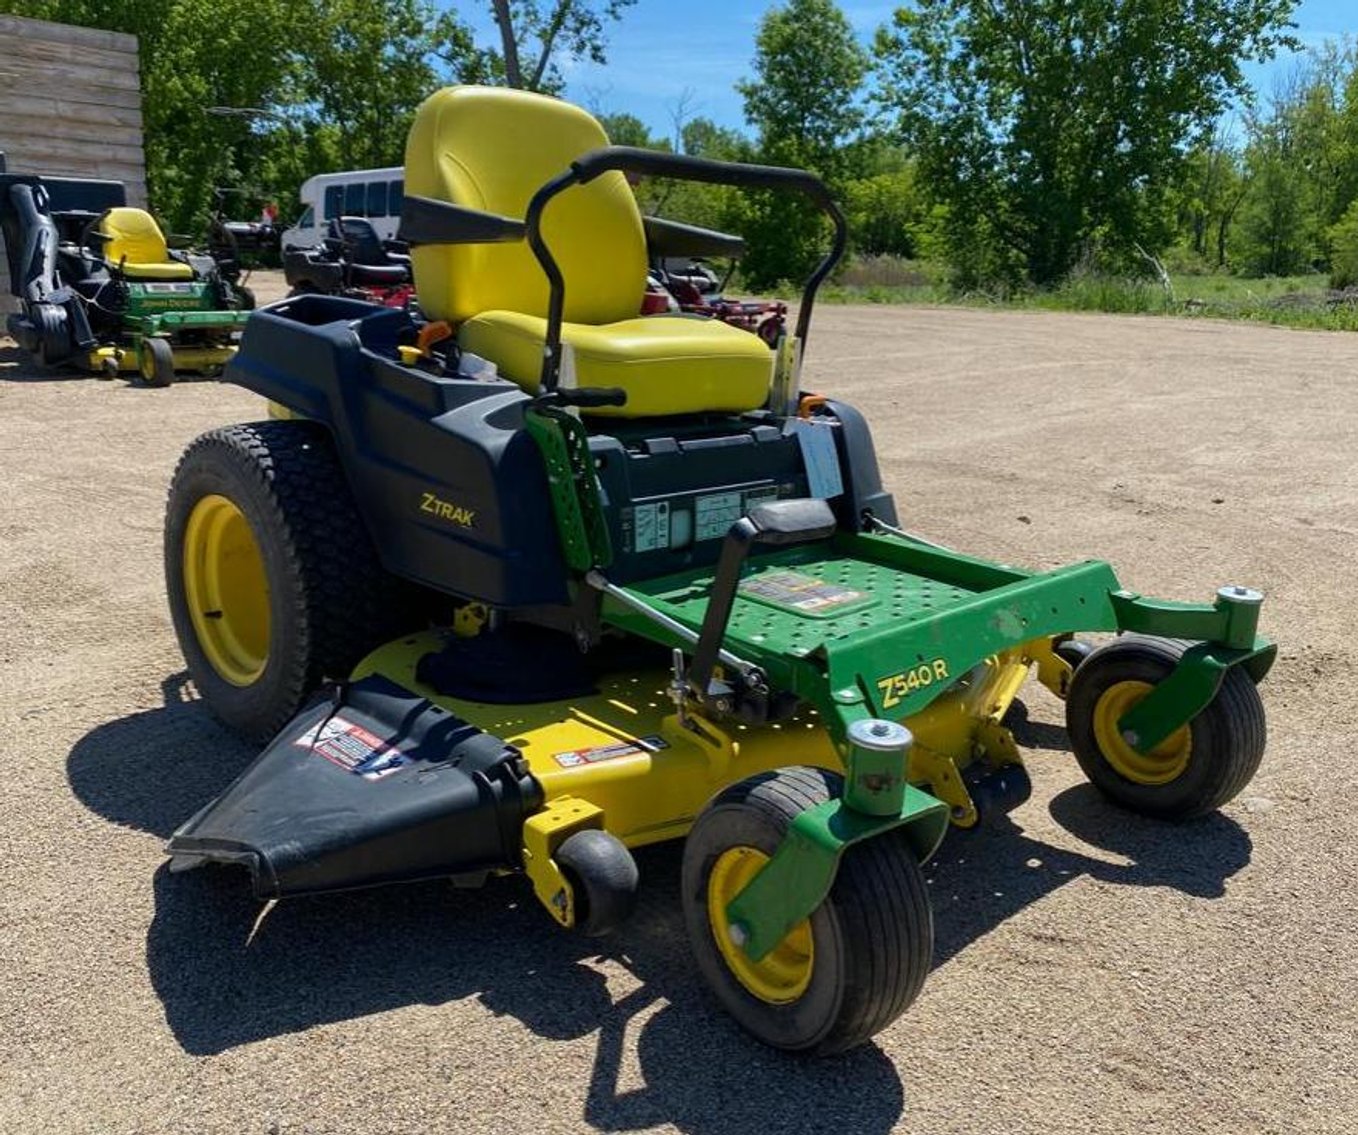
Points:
point(663, 47)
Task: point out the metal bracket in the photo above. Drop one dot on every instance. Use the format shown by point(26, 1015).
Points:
point(1232, 620)
point(1227, 634)
point(543, 833)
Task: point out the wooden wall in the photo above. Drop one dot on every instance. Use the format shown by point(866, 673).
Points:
point(70, 103)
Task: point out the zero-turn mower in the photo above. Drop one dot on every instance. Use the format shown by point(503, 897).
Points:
point(633, 586)
point(100, 289)
point(353, 261)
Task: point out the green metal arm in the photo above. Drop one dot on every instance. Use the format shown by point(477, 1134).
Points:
point(796, 880)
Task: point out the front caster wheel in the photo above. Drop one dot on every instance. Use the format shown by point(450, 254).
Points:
point(155, 361)
point(1195, 770)
point(843, 974)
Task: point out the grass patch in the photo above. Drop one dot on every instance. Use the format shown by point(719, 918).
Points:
point(1285, 301)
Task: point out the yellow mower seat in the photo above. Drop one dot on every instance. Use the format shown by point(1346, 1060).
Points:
point(492, 148)
point(134, 243)
point(667, 364)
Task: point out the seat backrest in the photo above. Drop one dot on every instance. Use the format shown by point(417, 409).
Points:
point(132, 235)
point(492, 148)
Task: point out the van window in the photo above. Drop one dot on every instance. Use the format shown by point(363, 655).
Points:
point(396, 192)
point(354, 199)
point(377, 199)
point(334, 201)
point(307, 219)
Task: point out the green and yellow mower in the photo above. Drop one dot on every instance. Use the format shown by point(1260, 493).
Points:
point(534, 582)
point(99, 288)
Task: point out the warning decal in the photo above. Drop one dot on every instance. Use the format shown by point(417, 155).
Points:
point(799, 592)
point(357, 750)
point(651, 526)
point(574, 758)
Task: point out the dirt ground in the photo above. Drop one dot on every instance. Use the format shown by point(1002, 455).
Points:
point(1094, 972)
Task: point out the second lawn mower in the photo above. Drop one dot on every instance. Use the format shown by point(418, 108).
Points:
point(635, 586)
point(351, 261)
point(100, 289)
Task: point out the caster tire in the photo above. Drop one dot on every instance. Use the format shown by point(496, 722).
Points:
point(274, 585)
point(846, 972)
point(155, 361)
point(1073, 652)
point(603, 876)
point(1194, 771)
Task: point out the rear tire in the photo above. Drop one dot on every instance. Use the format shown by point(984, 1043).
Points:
point(853, 966)
point(274, 585)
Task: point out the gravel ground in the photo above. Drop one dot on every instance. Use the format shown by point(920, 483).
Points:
point(1094, 972)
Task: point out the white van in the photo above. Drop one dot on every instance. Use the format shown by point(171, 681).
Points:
point(372, 193)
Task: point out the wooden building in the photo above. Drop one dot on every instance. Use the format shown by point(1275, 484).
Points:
point(70, 103)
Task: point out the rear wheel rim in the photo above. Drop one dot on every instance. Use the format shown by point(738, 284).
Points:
point(1162, 764)
point(782, 975)
point(227, 590)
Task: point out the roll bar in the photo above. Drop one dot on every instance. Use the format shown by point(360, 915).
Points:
point(657, 163)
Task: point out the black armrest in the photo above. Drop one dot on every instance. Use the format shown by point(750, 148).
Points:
point(426, 221)
point(673, 238)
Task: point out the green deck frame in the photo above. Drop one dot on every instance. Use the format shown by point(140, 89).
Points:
point(875, 626)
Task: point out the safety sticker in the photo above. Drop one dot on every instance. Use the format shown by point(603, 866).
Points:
point(799, 592)
point(347, 744)
point(574, 758)
point(714, 514)
point(650, 526)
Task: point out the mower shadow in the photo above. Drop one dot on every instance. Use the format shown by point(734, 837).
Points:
point(979, 879)
point(17, 365)
point(227, 977)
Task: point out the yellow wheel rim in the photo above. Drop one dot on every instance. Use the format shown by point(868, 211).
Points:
point(227, 590)
point(1162, 764)
point(146, 362)
point(785, 972)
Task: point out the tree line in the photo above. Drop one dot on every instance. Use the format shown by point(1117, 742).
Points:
point(1013, 142)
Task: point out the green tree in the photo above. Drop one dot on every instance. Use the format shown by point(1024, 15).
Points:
point(1275, 218)
point(884, 211)
point(1058, 127)
point(628, 130)
point(1343, 238)
point(1212, 188)
point(361, 67)
point(703, 138)
point(804, 102)
point(533, 34)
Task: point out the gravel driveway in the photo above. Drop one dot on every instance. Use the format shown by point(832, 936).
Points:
point(1094, 973)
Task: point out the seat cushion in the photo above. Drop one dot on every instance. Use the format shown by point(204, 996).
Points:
point(386, 275)
point(666, 364)
point(133, 240)
point(165, 270)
